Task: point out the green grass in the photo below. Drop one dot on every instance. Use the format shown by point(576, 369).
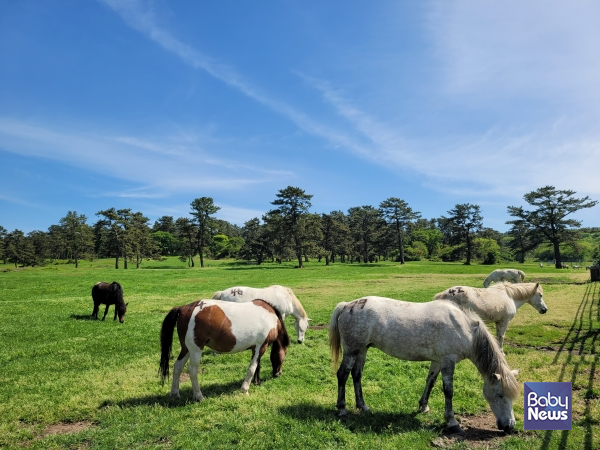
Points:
point(58, 367)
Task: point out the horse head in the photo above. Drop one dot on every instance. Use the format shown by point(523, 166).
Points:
point(301, 325)
point(537, 300)
point(121, 310)
point(500, 391)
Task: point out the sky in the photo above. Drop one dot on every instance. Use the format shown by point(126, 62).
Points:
point(149, 104)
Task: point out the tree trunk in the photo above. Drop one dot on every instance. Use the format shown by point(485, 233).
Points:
point(557, 259)
point(326, 260)
point(117, 261)
point(468, 263)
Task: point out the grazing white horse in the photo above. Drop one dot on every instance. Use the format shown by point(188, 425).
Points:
point(280, 297)
point(512, 275)
point(437, 331)
point(498, 303)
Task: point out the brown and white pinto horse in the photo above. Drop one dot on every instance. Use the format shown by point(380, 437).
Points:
point(226, 328)
point(109, 294)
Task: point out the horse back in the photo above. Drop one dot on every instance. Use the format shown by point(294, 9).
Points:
point(229, 327)
point(405, 330)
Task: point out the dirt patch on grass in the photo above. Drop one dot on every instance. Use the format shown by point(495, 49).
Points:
point(64, 428)
point(318, 327)
point(479, 431)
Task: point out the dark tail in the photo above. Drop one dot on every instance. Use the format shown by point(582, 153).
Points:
point(166, 343)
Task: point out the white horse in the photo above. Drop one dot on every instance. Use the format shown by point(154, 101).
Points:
point(437, 331)
point(512, 275)
point(280, 297)
point(498, 303)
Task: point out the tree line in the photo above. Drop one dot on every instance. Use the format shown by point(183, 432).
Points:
point(289, 231)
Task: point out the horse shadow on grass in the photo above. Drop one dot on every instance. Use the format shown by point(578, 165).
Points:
point(369, 422)
point(166, 401)
point(581, 341)
point(82, 317)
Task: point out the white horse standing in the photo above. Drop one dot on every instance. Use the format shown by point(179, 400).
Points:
point(280, 297)
point(498, 303)
point(437, 331)
point(512, 275)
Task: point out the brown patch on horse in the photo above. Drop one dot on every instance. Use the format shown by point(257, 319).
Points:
point(213, 325)
point(262, 303)
point(272, 336)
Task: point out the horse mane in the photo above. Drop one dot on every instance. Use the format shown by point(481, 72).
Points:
point(520, 291)
point(119, 296)
point(297, 303)
point(488, 357)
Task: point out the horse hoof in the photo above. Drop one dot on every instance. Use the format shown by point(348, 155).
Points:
point(364, 409)
point(455, 429)
point(198, 399)
point(342, 412)
point(173, 395)
point(424, 409)
point(278, 374)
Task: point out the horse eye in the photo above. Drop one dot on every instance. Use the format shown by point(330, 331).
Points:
point(500, 396)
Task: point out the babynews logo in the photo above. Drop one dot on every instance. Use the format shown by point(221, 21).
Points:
point(548, 406)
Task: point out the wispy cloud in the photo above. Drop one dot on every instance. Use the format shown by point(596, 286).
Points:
point(161, 167)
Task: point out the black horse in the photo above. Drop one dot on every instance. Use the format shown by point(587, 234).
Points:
point(109, 294)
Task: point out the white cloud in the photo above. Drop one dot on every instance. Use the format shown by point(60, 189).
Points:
point(161, 168)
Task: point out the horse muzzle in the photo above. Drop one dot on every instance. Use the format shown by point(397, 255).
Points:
point(543, 310)
point(508, 428)
point(300, 341)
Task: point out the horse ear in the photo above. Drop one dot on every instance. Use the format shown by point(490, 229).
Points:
point(515, 372)
point(498, 376)
point(310, 320)
point(537, 285)
point(126, 303)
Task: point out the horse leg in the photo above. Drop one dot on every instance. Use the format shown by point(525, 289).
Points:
point(105, 312)
point(177, 369)
point(500, 331)
point(115, 318)
point(95, 311)
point(357, 371)
point(257, 353)
point(256, 377)
point(342, 376)
point(193, 369)
point(447, 379)
point(434, 370)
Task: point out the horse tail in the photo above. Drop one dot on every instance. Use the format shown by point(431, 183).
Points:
point(166, 343)
point(217, 295)
point(522, 276)
point(487, 280)
point(334, 334)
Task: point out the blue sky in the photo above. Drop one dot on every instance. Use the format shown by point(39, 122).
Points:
point(150, 104)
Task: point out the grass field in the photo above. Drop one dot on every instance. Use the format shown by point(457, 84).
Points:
point(70, 382)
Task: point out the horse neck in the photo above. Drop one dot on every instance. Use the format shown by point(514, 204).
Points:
point(520, 293)
point(297, 309)
point(519, 303)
